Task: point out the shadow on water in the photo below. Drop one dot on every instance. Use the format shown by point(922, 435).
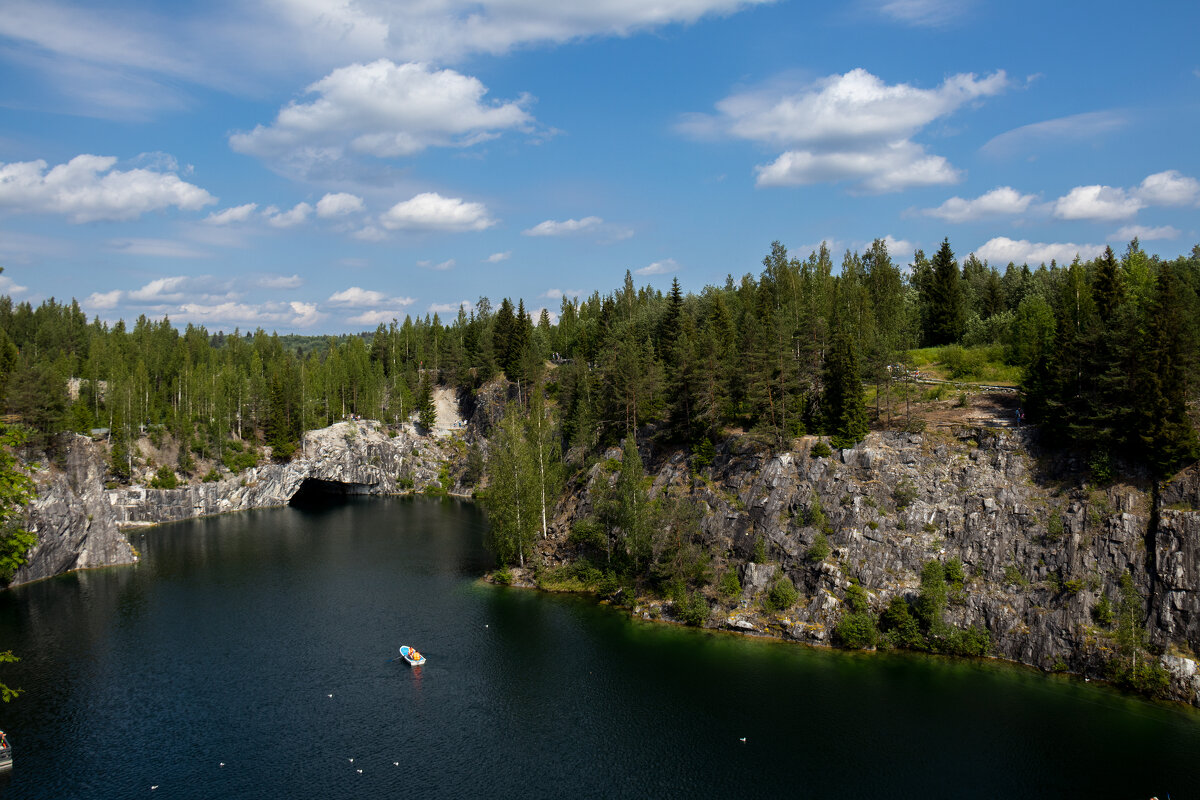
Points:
point(225, 644)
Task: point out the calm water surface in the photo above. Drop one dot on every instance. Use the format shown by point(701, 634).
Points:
point(226, 642)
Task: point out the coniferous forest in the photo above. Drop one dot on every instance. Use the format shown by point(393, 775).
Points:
point(1105, 350)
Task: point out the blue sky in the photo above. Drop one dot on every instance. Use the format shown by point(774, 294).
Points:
point(318, 167)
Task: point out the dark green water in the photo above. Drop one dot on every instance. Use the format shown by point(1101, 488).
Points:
point(225, 643)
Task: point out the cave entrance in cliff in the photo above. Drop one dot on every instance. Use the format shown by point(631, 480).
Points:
point(317, 492)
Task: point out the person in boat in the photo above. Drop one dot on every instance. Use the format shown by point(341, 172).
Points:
point(413, 654)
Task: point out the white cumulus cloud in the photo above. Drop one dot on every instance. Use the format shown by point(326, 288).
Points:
point(246, 315)
point(298, 215)
point(231, 215)
point(667, 265)
point(87, 189)
point(555, 228)
point(1097, 202)
point(496, 258)
point(178, 288)
point(997, 202)
point(1168, 188)
point(450, 308)
point(846, 127)
point(430, 211)
point(886, 169)
point(357, 297)
point(384, 110)
point(1002, 250)
point(1109, 203)
point(339, 205)
point(102, 301)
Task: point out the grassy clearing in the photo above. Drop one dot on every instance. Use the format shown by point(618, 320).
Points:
point(983, 364)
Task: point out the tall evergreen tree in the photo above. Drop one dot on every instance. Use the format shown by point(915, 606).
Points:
point(844, 406)
point(945, 316)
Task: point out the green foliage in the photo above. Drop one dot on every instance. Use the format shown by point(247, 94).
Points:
point(819, 549)
point(1133, 666)
point(904, 494)
point(211, 476)
point(503, 576)
point(238, 458)
point(932, 598)
point(955, 591)
point(781, 594)
point(1102, 611)
point(820, 450)
point(691, 608)
point(760, 550)
point(815, 516)
point(856, 629)
point(164, 479)
point(729, 586)
point(703, 453)
point(899, 627)
point(973, 641)
point(16, 491)
point(1054, 526)
point(1014, 577)
point(6, 693)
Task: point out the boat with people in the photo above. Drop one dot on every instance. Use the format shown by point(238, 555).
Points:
point(5, 752)
point(411, 655)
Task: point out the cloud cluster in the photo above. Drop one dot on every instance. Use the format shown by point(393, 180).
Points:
point(430, 211)
point(384, 110)
point(1108, 203)
point(998, 202)
point(851, 127)
point(1002, 250)
point(88, 189)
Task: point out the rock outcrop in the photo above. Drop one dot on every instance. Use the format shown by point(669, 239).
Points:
point(360, 457)
point(71, 516)
point(78, 521)
point(1038, 547)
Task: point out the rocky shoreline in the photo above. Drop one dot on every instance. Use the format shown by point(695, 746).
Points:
point(1039, 546)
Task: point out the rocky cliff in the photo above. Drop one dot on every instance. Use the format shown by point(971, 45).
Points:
point(78, 521)
point(71, 516)
point(1039, 547)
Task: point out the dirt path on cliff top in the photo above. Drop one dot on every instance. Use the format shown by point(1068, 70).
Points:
point(446, 404)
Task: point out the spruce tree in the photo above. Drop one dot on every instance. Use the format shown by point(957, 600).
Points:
point(946, 317)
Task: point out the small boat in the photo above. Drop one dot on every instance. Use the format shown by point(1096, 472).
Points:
point(5, 752)
point(411, 655)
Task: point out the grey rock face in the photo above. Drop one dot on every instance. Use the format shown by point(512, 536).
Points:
point(71, 517)
point(78, 521)
point(362, 457)
point(1038, 550)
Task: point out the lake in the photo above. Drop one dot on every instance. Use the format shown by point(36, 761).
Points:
point(248, 656)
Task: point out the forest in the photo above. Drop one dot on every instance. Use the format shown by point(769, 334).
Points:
point(1106, 350)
